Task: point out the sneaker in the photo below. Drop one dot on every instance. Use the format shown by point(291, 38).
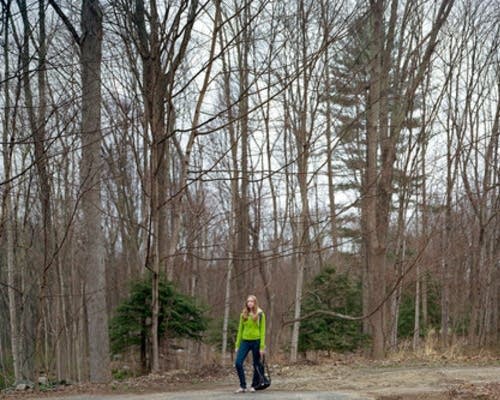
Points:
point(240, 390)
point(251, 389)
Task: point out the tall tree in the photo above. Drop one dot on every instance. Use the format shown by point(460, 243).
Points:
point(162, 48)
point(302, 120)
point(90, 46)
point(385, 122)
point(240, 154)
point(37, 120)
point(7, 209)
point(90, 175)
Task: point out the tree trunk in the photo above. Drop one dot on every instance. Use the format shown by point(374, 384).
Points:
point(242, 217)
point(382, 141)
point(294, 346)
point(266, 269)
point(448, 227)
point(302, 145)
point(2, 356)
point(160, 64)
point(95, 269)
point(416, 329)
point(375, 252)
point(231, 242)
point(425, 222)
point(38, 128)
point(7, 213)
point(227, 303)
point(303, 240)
point(329, 144)
point(12, 278)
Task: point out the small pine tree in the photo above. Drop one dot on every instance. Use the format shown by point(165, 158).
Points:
point(179, 317)
point(331, 291)
point(406, 320)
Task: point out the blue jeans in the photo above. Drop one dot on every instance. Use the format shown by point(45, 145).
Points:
point(245, 347)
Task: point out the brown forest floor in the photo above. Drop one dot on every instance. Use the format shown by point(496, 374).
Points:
point(403, 376)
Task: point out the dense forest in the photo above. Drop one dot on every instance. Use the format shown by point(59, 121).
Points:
point(161, 160)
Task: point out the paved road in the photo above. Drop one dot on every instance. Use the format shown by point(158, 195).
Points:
point(223, 395)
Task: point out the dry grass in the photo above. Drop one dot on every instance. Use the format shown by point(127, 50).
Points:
point(430, 352)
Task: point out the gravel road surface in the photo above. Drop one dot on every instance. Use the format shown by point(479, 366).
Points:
point(223, 395)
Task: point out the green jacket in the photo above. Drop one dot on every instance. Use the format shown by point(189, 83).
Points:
point(252, 330)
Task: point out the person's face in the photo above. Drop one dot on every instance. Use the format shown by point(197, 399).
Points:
point(250, 303)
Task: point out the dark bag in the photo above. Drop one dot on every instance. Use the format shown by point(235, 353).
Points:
point(263, 375)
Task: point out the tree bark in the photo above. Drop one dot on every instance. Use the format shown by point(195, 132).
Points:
point(242, 217)
point(375, 252)
point(227, 304)
point(7, 212)
point(37, 124)
point(302, 143)
point(231, 246)
point(91, 165)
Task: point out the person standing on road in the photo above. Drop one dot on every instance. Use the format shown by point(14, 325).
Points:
point(251, 337)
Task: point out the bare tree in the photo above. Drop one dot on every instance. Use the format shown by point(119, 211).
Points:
point(161, 49)
point(91, 166)
point(90, 44)
point(7, 210)
point(383, 137)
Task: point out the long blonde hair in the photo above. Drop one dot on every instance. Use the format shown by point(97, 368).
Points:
point(246, 311)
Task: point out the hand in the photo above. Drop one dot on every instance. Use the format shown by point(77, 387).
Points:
point(262, 353)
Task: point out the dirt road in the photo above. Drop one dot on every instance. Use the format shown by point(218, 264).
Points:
point(225, 395)
point(408, 381)
point(327, 381)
